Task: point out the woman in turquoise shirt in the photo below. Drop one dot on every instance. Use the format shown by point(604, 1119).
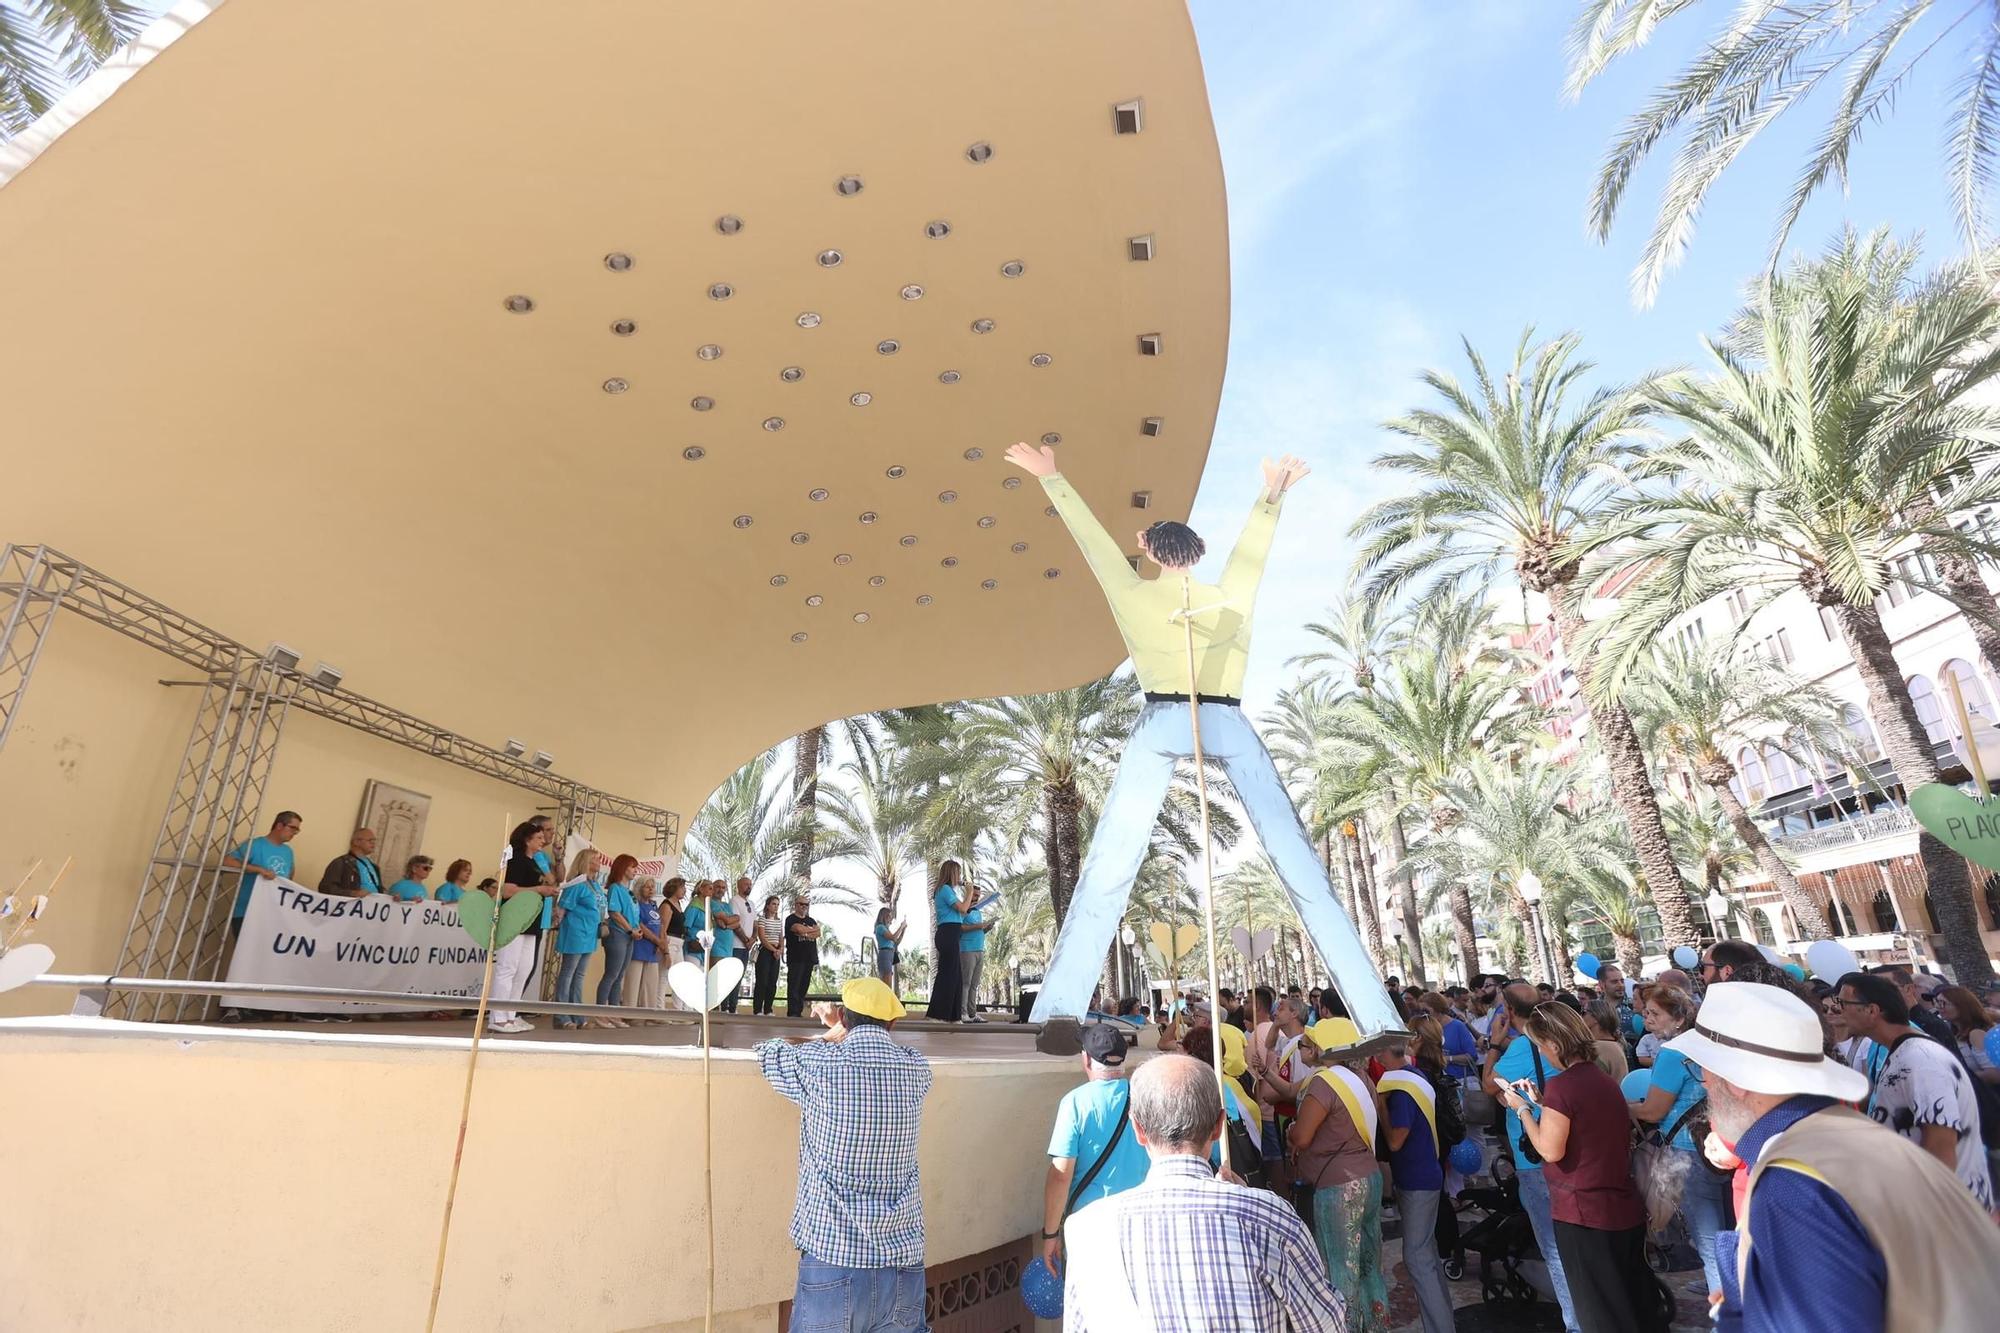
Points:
point(456, 877)
point(410, 888)
point(1706, 1199)
point(948, 904)
point(622, 928)
point(888, 941)
point(580, 924)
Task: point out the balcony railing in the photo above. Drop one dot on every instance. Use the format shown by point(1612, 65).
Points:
point(1858, 828)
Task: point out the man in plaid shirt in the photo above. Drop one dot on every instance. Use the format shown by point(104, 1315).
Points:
point(1185, 1252)
point(859, 1220)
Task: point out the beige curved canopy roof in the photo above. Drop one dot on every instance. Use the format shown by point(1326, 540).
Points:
point(263, 363)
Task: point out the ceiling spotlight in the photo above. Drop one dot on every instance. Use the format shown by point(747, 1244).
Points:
point(513, 749)
point(801, 538)
point(1019, 548)
point(701, 403)
point(1052, 573)
point(520, 305)
point(809, 320)
point(949, 562)
point(869, 516)
point(913, 292)
point(1040, 359)
point(792, 374)
point(1049, 511)
point(1052, 438)
point(973, 455)
point(720, 291)
point(987, 520)
point(949, 377)
point(617, 262)
point(876, 581)
point(615, 385)
point(624, 328)
point(281, 657)
point(979, 152)
point(543, 759)
point(326, 677)
point(709, 352)
point(937, 230)
point(800, 637)
point(989, 584)
point(1142, 499)
point(830, 258)
point(848, 186)
point(774, 423)
point(982, 326)
point(861, 399)
point(1013, 268)
point(946, 497)
point(923, 599)
point(1153, 426)
point(742, 521)
point(907, 539)
point(894, 471)
point(843, 559)
point(1149, 344)
point(1010, 483)
point(817, 493)
point(860, 617)
point(814, 600)
point(888, 347)
point(779, 580)
point(729, 224)
point(694, 453)
point(1139, 249)
point(1129, 117)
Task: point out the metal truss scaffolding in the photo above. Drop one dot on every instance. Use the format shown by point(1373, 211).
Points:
point(181, 915)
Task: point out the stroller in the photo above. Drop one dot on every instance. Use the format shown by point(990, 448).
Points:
point(1503, 1239)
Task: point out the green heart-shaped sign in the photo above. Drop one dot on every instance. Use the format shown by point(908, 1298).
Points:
point(475, 913)
point(1969, 827)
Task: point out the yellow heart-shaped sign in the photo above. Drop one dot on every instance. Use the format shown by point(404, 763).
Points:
point(1185, 939)
point(1162, 937)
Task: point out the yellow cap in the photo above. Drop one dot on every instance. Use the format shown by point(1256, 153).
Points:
point(1333, 1034)
point(869, 997)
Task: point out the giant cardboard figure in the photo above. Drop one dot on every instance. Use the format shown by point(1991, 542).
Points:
point(1150, 615)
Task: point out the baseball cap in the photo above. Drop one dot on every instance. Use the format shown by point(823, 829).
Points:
point(1104, 1044)
point(869, 997)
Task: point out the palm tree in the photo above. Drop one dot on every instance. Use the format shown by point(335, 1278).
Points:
point(811, 749)
point(1768, 56)
point(1705, 836)
point(871, 814)
point(46, 44)
point(746, 828)
point(1805, 466)
point(1691, 702)
point(1438, 944)
point(1510, 475)
point(1359, 633)
point(1608, 892)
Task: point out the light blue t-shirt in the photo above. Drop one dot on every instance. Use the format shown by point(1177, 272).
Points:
point(1681, 1076)
point(1518, 1061)
point(1085, 1121)
point(449, 892)
point(541, 859)
point(694, 921)
point(945, 900)
point(972, 941)
point(408, 891)
point(725, 936)
point(259, 852)
point(883, 940)
point(583, 911)
point(623, 903)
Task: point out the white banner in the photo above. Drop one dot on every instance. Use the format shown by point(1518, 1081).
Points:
point(293, 936)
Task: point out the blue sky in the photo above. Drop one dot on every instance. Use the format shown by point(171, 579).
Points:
point(1401, 175)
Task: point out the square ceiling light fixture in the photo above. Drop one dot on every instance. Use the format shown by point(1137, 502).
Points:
point(1153, 427)
point(1139, 248)
point(1129, 117)
point(1142, 499)
point(1149, 344)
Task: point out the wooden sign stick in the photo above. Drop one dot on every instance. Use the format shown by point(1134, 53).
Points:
point(1207, 854)
point(25, 926)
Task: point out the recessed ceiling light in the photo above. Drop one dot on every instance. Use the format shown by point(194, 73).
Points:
point(779, 580)
point(938, 229)
point(830, 258)
point(989, 584)
point(913, 291)
point(869, 516)
point(809, 319)
point(848, 185)
point(720, 291)
point(1139, 249)
point(894, 470)
point(800, 637)
point(624, 328)
point(817, 493)
point(876, 581)
point(888, 347)
point(792, 374)
point(861, 399)
point(1129, 117)
point(1010, 483)
point(1153, 426)
point(907, 539)
point(982, 326)
point(520, 305)
point(843, 559)
point(1050, 511)
point(946, 497)
point(709, 351)
point(949, 377)
point(742, 521)
point(987, 520)
point(973, 455)
point(801, 538)
point(1040, 359)
point(923, 599)
point(1053, 437)
point(1018, 547)
point(980, 152)
point(1052, 573)
point(618, 262)
point(1013, 268)
point(1142, 499)
point(860, 617)
point(949, 562)
point(774, 423)
point(1149, 344)
point(729, 224)
point(814, 600)
point(701, 403)
point(694, 453)
point(615, 385)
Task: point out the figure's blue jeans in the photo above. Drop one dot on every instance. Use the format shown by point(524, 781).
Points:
point(832, 1299)
point(1125, 829)
point(1535, 1200)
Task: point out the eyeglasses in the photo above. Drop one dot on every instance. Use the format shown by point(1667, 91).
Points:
point(1835, 1002)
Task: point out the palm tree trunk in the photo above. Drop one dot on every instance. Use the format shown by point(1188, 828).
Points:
point(1962, 579)
point(1630, 960)
point(1344, 876)
point(1804, 910)
point(1557, 930)
point(1406, 899)
point(805, 800)
point(1909, 749)
point(1065, 815)
point(1052, 823)
point(1519, 907)
point(1632, 787)
point(1365, 898)
point(1462, 929)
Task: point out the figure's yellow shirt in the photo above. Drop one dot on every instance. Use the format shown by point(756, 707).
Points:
point(1147, 609)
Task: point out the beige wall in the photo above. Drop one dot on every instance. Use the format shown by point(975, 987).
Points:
point(297, 1182)
point(91, 761)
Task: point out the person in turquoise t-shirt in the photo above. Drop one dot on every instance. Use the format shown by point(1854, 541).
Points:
point(1706, 1198)
point(410, 888)
point(456, 877)
point(1091, 1126)
point(948, 903)
point(621, 912)
point(583, 907)
point(972, 928)
point(267, 857)
point(1514, 1057)
point(694, 920)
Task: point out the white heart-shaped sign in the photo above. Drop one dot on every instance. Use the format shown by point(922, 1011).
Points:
point(698, 991)
point(1251, 946)
point(23, 963)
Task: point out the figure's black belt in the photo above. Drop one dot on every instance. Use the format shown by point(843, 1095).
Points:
point(1156, 698)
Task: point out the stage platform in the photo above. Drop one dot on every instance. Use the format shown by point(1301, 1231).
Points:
point(291, 1175)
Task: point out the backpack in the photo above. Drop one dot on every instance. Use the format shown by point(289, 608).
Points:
point(1246, 1156)
point(1451, 1116)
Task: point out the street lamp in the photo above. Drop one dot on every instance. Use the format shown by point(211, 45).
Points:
point(1396, 934)
point(1014, 966)
point(1127, 936)
point(1529, 885)
point(1718, 913)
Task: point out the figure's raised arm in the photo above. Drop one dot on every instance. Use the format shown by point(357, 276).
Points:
point(1103, 555)
point(1246, 560)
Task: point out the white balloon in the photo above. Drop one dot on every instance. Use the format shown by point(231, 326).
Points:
point(23, 963)
point(1684, 957)
point(1830, 960)
point(1771, 955)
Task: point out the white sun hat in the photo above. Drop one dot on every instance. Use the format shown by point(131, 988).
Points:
point(1765, 1039)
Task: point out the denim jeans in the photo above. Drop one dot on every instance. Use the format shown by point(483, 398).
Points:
point(569, 986)
point(1535, 1199)
point(1119, 845)
point(617, 954)
point(1707, 1203)
point(1419, 1209)
point(832, 1299)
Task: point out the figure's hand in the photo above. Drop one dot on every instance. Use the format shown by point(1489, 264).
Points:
point(1282, 475)
point(1040, 462)
point(1052, 1253)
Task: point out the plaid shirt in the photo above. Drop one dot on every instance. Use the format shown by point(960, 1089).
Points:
point(861, 1103)
point(1188, 1253)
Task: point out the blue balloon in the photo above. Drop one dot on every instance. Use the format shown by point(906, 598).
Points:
point(1795, 972)
point(1636, 1085)
point(1042, 1290)
point(1637, 1025)
point(1587, 964)
point(1466, 1158)
point(1993, 1044)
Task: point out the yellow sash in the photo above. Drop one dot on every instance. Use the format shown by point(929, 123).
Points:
point(1356, 1096)
point(1403, 1080)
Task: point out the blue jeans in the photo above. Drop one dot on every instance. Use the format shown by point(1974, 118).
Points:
point(617, 953)
point(832, 1299)
point(569, 986)
point(1535, 1199)
point(1124, 831)
point(1707, 1204)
